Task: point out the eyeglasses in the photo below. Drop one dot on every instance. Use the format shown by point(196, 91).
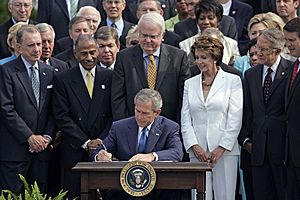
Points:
point(20, 5)
point(264, 50)
point(151, 37)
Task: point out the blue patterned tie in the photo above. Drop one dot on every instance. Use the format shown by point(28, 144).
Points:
point(143, 140)
point(35, 84)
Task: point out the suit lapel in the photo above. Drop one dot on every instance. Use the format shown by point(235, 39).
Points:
point(289, 92)
point(154, 135)
point(132, 136)
point(43, 74)
point(217, 84)
point(25, 80)
point(139, 65)
point(164, 59)
point(258, 82)
point(99, 90)
point(63, 5)
point(281, 73)
point(79, 88)
point(233, 9)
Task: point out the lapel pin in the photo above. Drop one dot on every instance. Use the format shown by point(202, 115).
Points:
point(163, 6)
point(282, 73)
point(156, 134)
point(233, 12)
point(56, 69)
point(103, 87)
point(44, 73)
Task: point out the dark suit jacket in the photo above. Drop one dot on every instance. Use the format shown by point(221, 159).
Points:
point(171, 38)
point(62, 44)
point(163, 138)
point(55, 13)
point(242, 13)
point(122, 38)
point(77, 115)
point(129, 77)
point(68, 57)
point(58, 65)
point(4, 52)
point(292, 99)
point(188, 28)
point(20, 116)
point(264, 124)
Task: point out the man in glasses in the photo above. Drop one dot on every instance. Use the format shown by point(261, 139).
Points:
point(108, 45)
point(150, 64)
point(264, 125)
point(20, 11)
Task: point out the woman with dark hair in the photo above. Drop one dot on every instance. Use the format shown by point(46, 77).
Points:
point(211, 118)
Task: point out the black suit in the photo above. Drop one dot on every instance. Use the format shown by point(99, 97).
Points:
point(129, 77)
point(55, 13)
point(242, 13)
point(171, 38)
point(80, 118)
point(188, 28)
point(4, 52)
point(68, 57)
point(265, 125)
point(292, 109)
point(20, 118)
point(58, 65)
point(122, 38)
point(62, 44)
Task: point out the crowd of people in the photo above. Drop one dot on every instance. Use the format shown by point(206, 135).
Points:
point(154, 80)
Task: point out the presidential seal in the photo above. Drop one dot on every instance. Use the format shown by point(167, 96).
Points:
point(138, 178)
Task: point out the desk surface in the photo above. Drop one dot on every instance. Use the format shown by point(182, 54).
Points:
point(158, 166)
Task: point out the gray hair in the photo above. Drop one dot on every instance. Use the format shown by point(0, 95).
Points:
point(44, 27)
point(28, 28)
point(153, 18)
point(86, 9)
point(274, 36)
point(146, 95)
point(214, 32)
point(11, 1)
point(12, 32)
point(84, 38)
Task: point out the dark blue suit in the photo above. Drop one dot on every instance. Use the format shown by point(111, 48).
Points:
point(163, 139)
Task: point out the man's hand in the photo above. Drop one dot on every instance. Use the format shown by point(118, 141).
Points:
point(93, 144)
point(37, 143)
point(104, 156)
point(248, 147)
point(200, 154)
point(149, 157)
point(216, 154)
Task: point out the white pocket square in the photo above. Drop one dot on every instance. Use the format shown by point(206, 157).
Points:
point(49, 86)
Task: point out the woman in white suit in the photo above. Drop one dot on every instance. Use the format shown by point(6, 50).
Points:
point(211, 118)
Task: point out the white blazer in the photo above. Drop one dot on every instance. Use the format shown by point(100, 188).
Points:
point(216, 121)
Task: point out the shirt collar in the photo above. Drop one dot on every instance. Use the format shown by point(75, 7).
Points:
point(148, 127)
point(28, 65)
point(107, 67)
point(119, 23)
point(226, 7)
point(273, 67)
point(14, 21)
point(84, 71)
point(155, 54)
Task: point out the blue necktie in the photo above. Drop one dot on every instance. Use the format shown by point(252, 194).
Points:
point(35, 85)
point(143, 140)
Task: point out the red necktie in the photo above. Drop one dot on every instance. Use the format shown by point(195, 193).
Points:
point(267, 85)
point(295, 71)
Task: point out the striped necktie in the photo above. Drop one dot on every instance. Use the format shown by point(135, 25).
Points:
point(35, 85)
point(74, 6)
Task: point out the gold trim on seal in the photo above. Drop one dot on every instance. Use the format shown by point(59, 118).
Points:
point(138, 178)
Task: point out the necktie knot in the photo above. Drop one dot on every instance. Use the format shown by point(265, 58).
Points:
point(113, 25)
point(269, 70)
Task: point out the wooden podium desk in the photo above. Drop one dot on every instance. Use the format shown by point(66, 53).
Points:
point(169, 175)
